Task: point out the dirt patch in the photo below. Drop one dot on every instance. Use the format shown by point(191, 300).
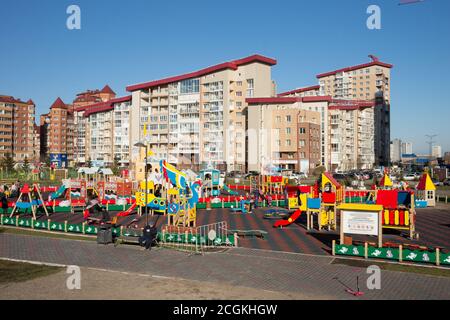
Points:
point(12, 272)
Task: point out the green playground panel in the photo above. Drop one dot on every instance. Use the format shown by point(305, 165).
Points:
point(383, 253)
point(416, 256)
point(419, 256)
point(348, 250)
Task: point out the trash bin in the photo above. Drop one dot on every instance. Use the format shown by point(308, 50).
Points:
point(104, 235)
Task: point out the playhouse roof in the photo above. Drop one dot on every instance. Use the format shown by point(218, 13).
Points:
point(425, 183)
point(386, 181)
point(331, 179)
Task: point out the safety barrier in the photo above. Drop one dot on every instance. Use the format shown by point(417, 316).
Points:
point(198, 239)
point(398, 253)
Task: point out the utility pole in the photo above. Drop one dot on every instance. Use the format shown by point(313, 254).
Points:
point(431, 142)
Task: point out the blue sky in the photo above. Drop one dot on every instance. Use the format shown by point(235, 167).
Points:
point(126, 42)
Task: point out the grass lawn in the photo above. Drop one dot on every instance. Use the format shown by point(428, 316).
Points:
point(28, 232)
point(11, 271)
point(438, 272)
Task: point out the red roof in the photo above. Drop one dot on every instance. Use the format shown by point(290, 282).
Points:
point(360, 66)
point(30, 102)
point(272, 100)
point(10, 99)
point(103, 106)
point(299, 90)
point(337, 104)
point(332, 179)
point(223, 66)
point(58, 104)
point(107, 89)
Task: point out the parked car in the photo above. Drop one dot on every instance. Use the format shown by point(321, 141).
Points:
point(446, 182)
point(251, 174)
point(409, 177)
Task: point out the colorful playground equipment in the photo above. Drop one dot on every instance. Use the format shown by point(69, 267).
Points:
point(35, 200)
point(212, 183)
point(268, 184)
point(426, 192)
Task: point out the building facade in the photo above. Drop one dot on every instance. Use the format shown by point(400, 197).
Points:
point(200, 117)
point(107, 132)
point(17, 136)
point(81, 103)
point(396, 150)
point(284, 132)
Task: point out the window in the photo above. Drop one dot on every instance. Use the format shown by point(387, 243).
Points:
point(302, 130)
point(239, 83)
point(250, 88)
point(189, 86)
point(278, 119)
point(301, 143)
point(238, 93)
point(288, 118)
point(288, 142)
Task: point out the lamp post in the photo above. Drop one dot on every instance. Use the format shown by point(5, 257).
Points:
point(143, 145)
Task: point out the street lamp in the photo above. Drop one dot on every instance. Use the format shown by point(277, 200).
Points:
point(143, 145)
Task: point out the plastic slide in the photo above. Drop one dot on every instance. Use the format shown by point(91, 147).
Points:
point(290, 220)
point(127, 212)
point(58, 192)
point(172, 174)
point(227, 189)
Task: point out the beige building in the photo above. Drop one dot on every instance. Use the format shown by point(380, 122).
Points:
point(200, 117)
point(107, 132)
point(81, 103)
point(284, 132)
point(17, 120)
point(361, 82)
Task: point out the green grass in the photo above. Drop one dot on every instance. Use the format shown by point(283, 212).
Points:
point(11, 271)
point(34, 233)
point(438, 272)
point(443, 188)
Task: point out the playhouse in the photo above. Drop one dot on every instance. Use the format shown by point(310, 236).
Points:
point(426, 190)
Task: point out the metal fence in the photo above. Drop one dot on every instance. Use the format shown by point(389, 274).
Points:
point(198, 239)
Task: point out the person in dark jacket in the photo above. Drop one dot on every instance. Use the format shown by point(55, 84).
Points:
point(4, 202)
point(148, 236)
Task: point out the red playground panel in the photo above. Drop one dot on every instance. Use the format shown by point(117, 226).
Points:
point(388, 198)
point(329, 197)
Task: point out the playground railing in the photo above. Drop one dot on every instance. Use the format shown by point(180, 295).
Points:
point(198, 239)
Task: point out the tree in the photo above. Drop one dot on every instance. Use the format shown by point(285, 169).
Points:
point(89, 163)
point(8, 163)
point(26, 166)
point(115, 168)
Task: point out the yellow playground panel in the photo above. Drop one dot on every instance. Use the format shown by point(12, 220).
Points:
point(293, 202)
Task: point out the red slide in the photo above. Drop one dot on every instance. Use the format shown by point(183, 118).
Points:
point(292, 218)
point(128, 212)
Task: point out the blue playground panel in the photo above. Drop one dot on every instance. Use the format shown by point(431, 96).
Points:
point(313, 203)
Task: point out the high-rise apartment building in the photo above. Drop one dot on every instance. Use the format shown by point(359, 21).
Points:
point(436, 151)
point(407, 148)
point(396, 150)
point(17, 120)
point(107, 132)
point(57, 133)
point(81, 103)
point(361, 82)
point(200, 117)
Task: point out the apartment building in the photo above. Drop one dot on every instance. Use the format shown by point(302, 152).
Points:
point(57, 133)
point(361, 82)
point(200, 117)
point(284, 132)
point(311, 91)
point(81, 103)
point(396, 151)
point(17, 119)
point(107, 132)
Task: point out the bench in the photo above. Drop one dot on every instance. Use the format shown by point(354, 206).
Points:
point(249, 233)
point(129, 236)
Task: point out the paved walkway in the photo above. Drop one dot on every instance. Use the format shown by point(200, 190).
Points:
point(265, 270)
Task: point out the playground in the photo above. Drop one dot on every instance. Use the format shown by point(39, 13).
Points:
point(197, 213)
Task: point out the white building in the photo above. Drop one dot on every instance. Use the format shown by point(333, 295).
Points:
point(407, 148)
point(436, 151)
point(396, 150)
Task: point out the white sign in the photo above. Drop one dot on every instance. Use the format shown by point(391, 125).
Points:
point(360, 222)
